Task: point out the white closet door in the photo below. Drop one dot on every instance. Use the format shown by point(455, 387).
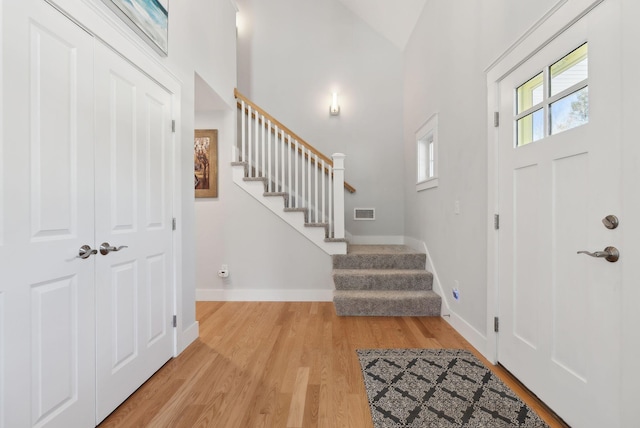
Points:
point(133, 209)
point(47, 299)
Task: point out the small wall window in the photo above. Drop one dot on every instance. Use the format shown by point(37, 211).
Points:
point(427, 154)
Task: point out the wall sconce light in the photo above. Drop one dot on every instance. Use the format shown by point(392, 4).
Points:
point(334, 108)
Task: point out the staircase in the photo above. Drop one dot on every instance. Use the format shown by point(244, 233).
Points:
point(383, 280)
point(294, 180)
point(302, 219)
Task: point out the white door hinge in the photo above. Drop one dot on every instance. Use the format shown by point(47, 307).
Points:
point(174, 321)
point(496, 324)
point(173, 126)
point(496, 221)
point(173, 224)
point(496, 119)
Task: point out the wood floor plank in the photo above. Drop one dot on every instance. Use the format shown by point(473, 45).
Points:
point(299, 396)
point(310, 418)
point(277, 365)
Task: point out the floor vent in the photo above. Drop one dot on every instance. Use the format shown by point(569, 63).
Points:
point(364, 213)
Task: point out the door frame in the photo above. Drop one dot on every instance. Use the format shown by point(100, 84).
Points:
point(99, 22)
point(562, 15)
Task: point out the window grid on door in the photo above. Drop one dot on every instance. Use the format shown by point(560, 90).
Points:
point(554, 100)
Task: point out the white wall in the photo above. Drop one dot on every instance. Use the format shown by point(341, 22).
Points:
point(267, 259)
point(444, 72)
point(202, 40)
point(291, 55)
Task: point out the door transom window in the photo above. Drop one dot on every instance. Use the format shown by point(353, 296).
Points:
point(554, 100)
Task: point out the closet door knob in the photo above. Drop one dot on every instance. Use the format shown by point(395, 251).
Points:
point(106, 248)
point(85, 252)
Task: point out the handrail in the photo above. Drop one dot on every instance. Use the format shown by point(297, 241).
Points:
point(276, 122)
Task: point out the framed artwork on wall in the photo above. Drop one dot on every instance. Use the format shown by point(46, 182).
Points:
point(148, 18)
point(205, 163)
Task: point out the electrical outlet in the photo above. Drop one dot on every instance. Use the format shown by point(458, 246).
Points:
point(456, 291)
point(224, 271)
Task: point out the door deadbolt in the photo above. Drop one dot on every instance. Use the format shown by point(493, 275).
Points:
point(610, 221)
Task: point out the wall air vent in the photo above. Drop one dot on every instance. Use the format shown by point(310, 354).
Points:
point(364, 213)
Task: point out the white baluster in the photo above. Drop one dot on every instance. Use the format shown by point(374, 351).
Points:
point(338, 195)
point(275, 148)
point(303, 189)
point(269, 181)
point(297, 189)
point(282, 161)
point(316, 188)
point(309, 195)
point(244, 138)
point(289, 168)
point(257, 144)
point(249, 144)
point(262, 151)
point(324, 189)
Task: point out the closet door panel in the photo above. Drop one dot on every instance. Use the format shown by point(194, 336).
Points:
point(133, 215)
point(49, 327)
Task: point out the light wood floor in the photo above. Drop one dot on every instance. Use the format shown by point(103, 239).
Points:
point(266, 364)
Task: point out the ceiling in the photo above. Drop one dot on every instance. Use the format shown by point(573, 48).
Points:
point(394, 19)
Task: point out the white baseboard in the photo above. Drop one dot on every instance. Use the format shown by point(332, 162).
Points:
point(466, 330)
point(188, 336)
point(437, 285)
point(473, 336)
point(258, 295)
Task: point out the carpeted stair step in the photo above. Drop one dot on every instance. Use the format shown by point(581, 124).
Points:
point(382, 279)
point(386, 303)
point(380, 257)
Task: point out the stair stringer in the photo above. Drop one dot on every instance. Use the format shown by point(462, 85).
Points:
point(295, 219)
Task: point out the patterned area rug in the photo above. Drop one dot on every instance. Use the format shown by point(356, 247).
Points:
point(439, 388)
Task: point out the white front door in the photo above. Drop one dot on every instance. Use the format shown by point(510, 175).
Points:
point(47, 296)
point(559, 310)
point(133, 212)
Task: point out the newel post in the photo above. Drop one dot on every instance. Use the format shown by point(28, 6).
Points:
point(338, 195)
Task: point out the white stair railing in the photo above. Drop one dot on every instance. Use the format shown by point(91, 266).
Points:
point(311, 182)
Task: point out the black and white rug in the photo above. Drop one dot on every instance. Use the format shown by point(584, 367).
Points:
point(439, 388)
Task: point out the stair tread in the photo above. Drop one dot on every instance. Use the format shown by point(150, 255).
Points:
point(383, 272)
point(386, 303)
point(382, 279)
point(395, 259)
point(335, 239)
point(380, 249)
point(385, 294)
